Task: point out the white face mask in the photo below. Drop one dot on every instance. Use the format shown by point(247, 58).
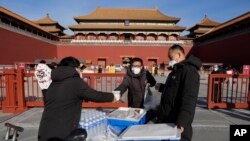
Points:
point(80, 74)
point(172, 63)
point(136, 70)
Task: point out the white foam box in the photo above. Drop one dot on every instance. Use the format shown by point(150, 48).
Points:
point(151, 132)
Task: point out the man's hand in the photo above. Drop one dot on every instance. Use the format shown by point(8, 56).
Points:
point(180, 127)
point(117, 95)
point(157, 86)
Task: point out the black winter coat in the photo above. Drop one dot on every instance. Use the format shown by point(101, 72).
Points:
point(180, 92)
point(64, 98)
point(136, 86)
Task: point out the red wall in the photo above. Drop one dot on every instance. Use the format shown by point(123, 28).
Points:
point(114, 54)
point(234, 50)
point(19, 48)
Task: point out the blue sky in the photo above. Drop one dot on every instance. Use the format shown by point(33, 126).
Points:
point(190, 11)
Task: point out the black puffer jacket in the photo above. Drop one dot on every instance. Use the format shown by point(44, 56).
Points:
point(135, 84)
point(63, 103)
point(180, 92)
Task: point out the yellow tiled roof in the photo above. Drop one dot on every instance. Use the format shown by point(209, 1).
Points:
point(208, 22)
point(200, 31)
point(127, 14)
point(205, 22)
point(228, 23)
point(47, 20)
point(52, 29)
point(18, 17)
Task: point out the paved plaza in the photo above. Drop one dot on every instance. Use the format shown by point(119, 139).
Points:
point(208, 125)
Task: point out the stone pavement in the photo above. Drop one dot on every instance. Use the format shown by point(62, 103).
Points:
point(208, 125)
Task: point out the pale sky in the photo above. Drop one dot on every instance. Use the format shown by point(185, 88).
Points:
point(190, 11)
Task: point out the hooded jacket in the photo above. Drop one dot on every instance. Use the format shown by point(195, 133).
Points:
point(135, 84)
point(63, 106)
point(180, 92)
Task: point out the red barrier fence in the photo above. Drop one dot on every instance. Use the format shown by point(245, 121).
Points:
point(19, 90)
point(13, 98)
point(228, 91)
point(2, 89)
point(104, 82)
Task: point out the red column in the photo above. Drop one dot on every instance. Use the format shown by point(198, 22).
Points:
point(14, 82)
point(9, 104)
point(20, 91)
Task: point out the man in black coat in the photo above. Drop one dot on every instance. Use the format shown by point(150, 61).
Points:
point(180, 92)
point(217, 84)
point(135, 81)
point(63, 103)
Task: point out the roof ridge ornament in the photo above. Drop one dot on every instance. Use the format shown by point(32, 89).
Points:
point(205, 15)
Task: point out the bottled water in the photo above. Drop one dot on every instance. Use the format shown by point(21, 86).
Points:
point(95, 123)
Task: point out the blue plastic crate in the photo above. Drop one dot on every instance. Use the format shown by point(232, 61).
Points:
point(119, 125)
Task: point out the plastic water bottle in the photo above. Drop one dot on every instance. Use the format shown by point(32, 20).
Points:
point(95, 123)
point(81, 124)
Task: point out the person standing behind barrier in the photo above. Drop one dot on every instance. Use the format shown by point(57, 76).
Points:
point(180, 92)
point(162, 68)
point(230, 71)
point(99, 69)
point(53, 65)
point(156, 70)
point(43, 77)
point(135, 82)
point(217, 87)
point(64, 99)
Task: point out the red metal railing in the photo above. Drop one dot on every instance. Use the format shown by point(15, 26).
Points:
point(2, 89)
point(13, 100)
point(228, 91)
point(101, 82)
point(32, 92)
point(20, 90)
point(104, 82)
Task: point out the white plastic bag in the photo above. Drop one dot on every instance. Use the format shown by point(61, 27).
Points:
point(148, 98)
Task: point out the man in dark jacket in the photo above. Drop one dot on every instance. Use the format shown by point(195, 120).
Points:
point(135, 81)
point(217, 84)
point(180, 92)
point(64, 98)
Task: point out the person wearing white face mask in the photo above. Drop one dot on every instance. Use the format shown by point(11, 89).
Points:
point(135, 82)
point(180, 92)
